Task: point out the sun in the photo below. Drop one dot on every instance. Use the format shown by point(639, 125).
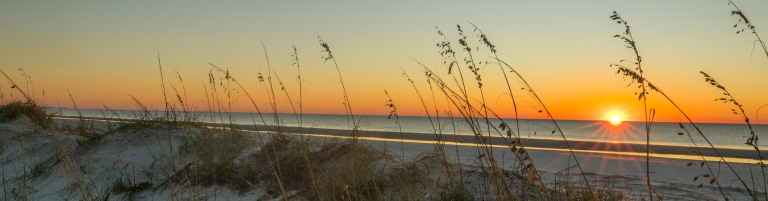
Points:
point(615, 119)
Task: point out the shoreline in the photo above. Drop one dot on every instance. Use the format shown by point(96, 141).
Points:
point(621, 148)
point(629, 121)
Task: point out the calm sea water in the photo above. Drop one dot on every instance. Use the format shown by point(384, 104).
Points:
point(721, 135)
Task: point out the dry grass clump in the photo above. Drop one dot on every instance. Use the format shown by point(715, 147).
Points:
point(604, 188)
point(16, 109)
point(128, 186)
point(459, 191)
point(351, 173)
point(344, 169)
point(213, 153)
point(635, 74)
point(467, 104)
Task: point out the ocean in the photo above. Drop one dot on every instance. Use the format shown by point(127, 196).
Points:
point(720, 135)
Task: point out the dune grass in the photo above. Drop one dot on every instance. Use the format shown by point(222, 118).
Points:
point(636, 76)
point(188, 159)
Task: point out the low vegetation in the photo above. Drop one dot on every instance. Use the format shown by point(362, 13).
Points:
point(18, 109)
point(189, 153)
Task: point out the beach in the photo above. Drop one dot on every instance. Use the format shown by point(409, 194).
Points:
point(620, 167)
point(740, 154)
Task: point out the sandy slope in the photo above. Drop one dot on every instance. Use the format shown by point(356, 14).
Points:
point(141, 157)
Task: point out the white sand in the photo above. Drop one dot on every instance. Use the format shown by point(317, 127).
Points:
point(137, 155)
point(100, 165)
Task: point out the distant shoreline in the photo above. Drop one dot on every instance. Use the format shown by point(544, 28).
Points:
point(533, 143)
point(599, 120)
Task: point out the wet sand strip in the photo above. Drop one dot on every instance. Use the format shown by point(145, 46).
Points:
point(532, 143)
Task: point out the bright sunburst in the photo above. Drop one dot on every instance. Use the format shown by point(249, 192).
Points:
point(615, 119)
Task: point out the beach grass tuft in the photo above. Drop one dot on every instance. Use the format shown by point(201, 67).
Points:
point(184, 151)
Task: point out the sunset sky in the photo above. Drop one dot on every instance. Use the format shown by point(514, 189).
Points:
point(102, 51)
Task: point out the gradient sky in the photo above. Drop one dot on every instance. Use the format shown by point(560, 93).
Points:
point(102, 51)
